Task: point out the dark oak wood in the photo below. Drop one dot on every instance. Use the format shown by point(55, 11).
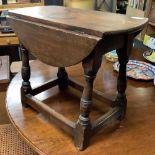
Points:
point(62, 78)
point(26, 86)
point(104, 120)
point(70, 28)
point(47, 85)
point(73, 40)
point(91, 66)
point(76, 20)
point(122, 80)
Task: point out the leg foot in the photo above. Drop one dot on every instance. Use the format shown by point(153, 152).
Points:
point(82, 133)
point(121, 101)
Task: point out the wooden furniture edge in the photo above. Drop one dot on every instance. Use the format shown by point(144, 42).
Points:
point(17, 128)
point(9, 41)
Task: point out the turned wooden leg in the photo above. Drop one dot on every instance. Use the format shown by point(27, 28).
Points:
point(83, 125)
point(26, 86)
point(122, 82)
point(63, 78)
point(123, 54)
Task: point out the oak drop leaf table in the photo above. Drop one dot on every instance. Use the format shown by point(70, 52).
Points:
point(62, 37)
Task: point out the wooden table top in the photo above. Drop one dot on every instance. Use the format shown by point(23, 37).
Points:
point(81, 21)
point(62, 37)
point(47, 139)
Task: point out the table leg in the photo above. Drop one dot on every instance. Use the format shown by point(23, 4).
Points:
point(62, 78)
point(26, 86)
point(123, 56)
point(83, 130)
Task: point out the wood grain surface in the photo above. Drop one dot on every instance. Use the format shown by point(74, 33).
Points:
point(94, 23)
point(61, 36)
point(52, 45)
point(134, 136)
